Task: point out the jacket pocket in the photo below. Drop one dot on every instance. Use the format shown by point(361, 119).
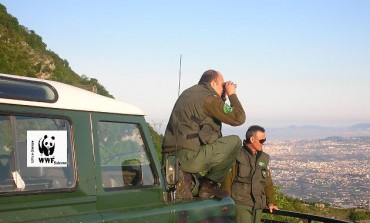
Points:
point(241, 193)
point(264, 174)
point(244, 170)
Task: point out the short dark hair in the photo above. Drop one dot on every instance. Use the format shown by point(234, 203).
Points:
point(252, 132)
point(208, 77)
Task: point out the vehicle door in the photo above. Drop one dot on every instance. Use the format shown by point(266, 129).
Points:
point(128, 185)
point(38, 168)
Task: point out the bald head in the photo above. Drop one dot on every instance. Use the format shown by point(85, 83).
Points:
point(209, 76)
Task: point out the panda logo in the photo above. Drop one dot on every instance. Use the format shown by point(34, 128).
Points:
point(47, 145)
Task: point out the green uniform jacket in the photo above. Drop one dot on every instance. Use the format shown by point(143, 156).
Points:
point(252, 184)
point(197, 116)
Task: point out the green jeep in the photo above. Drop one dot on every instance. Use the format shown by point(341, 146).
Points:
point(69, 155)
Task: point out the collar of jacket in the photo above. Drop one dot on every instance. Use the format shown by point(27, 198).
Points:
point(209, 87)
point(246, 147)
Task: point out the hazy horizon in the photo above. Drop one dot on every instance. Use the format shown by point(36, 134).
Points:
point(295, 62)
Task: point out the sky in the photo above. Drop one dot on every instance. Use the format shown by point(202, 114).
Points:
point(295, 62)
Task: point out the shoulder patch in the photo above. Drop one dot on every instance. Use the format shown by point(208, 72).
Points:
point(228, 108)
point(262, 164)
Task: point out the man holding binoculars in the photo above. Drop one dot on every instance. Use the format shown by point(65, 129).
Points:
point(193, 134)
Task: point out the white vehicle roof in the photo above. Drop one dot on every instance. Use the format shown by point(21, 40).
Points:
point(71, 98)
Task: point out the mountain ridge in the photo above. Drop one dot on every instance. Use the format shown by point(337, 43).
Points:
point(318, 132)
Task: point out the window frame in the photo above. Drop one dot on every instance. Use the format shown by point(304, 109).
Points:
point(145, 148)
point(70, 135)
point(137, 120)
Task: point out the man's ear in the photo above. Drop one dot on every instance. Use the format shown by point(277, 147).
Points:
point(213, 83)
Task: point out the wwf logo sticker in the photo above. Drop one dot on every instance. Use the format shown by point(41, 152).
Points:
point(47, 148)
point(47, 145)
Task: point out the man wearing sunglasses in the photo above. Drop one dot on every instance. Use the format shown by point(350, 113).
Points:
point(252, 187)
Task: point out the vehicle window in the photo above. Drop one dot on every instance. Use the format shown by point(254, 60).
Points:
point(27, 90)
point(35, 154)
point(123, 156)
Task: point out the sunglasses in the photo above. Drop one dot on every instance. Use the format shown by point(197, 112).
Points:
point(261, 140)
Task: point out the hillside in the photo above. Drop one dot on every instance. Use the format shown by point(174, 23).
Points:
point(22, 52)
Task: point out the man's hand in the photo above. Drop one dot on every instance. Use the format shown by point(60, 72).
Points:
point(272, 208)
point(230, 88)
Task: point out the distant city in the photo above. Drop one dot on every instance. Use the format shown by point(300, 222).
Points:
point(298, 132)
point(334, 170)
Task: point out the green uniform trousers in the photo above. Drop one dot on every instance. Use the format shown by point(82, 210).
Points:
point(245, 214)
point(216, 158)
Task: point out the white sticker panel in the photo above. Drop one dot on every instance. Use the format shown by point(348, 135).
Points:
point(47, 148)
